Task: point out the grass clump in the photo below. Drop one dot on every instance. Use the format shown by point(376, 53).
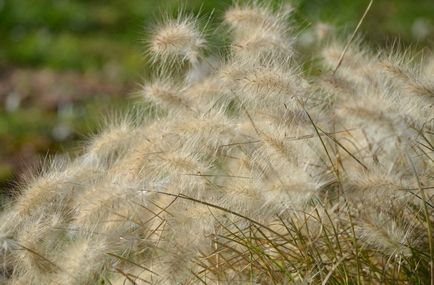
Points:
point(248, 170)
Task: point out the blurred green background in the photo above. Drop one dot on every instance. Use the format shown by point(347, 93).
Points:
point(66, 64)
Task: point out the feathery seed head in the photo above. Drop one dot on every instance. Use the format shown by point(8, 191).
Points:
point(386, 234)
point(262, 44)
point(166, 95)
point(177, 39)
point(244, 19)
point(104, 149)
point(82, 258)
point(259, 32)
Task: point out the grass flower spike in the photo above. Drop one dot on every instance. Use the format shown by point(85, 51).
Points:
point(177, 39)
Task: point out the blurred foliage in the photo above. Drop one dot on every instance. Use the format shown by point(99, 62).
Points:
point(411, 22)
point(88, 35)
point(98, 47)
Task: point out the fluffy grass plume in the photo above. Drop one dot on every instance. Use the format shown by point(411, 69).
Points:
point(245, 169)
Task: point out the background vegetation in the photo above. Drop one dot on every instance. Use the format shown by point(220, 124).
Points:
point(65, 63)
